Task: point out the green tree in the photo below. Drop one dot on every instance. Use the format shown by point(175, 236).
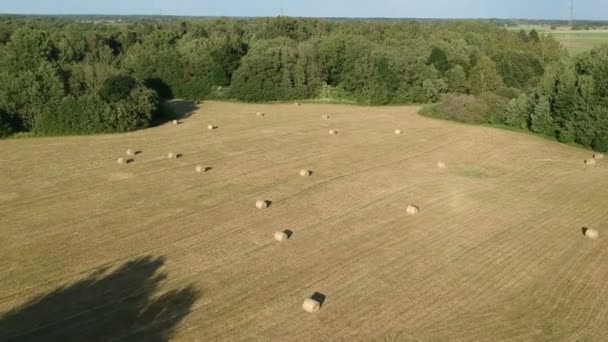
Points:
point(518, 112)
point(27, 49)
point(533, 36)
point(433, 88)
point(117, 88)
point(484, 77)
point(540, 120)
point(439, 60)
point(457, 79)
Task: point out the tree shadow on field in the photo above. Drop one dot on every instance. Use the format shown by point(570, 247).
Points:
point(183, 109)
point(121, 305)
point(174, 110)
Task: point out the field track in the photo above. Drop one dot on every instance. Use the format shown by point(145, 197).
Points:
point(496, 252)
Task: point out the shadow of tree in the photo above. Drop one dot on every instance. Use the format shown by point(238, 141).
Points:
point(122, 304)
point(183, 108)
point(173, 110)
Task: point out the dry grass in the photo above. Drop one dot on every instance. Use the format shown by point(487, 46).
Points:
point(491, 258)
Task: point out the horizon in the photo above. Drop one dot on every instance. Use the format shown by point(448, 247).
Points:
point(586, 10)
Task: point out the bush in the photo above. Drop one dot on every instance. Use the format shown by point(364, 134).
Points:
point(91, 114)
point(463, 108)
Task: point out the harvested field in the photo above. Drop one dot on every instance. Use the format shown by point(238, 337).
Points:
point(162, 253)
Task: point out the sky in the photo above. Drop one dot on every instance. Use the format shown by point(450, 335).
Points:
point(528, 9)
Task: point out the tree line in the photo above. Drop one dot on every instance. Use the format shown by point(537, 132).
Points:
point(62, 76)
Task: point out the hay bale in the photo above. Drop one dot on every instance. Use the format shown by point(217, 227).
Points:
point(260, 114)
point(592, 234)
point(121, 161)
point(298, 104)
point(261, 204)
point(130, 153)
point(281, 236)
point(211, 127)
point(200, 169)
point(175, 122)
point(412, 210)
point(441, 165)
point(590, 162)
point(325, 117)
point(598, 156)
point(311, 306)
point(398, 132)
point(333, 132)
point(172, 156)
point(305, 173)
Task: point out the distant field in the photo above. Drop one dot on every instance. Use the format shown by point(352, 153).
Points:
point(574, 41)
point(154, 251)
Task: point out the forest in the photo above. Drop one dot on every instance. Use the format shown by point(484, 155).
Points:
point(65, 76)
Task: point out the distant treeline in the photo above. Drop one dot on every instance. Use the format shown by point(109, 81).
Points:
point(61, 76)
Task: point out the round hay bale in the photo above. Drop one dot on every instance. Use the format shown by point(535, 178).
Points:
point(441, 165)
point(305, 173)
point(298, 104)
point(598, 156)
point(326, 117)
point(175, 122)
point(200, 169)
point(311, 306)
point(333, 132)
point(261, 204)
point(172, 156)
point(211, 127)
point(398, 132)
point(121, 161)
point(260, 114)
point(130, 153)
point(281, 236)
point(590, 162)
point(592, 234)
point(412, 210)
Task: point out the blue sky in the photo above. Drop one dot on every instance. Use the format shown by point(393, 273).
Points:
point(541, 9)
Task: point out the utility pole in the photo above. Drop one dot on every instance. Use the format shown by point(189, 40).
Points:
point(571, 23)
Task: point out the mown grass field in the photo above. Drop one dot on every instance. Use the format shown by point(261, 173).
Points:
point(154, 251)
point(575, 41)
